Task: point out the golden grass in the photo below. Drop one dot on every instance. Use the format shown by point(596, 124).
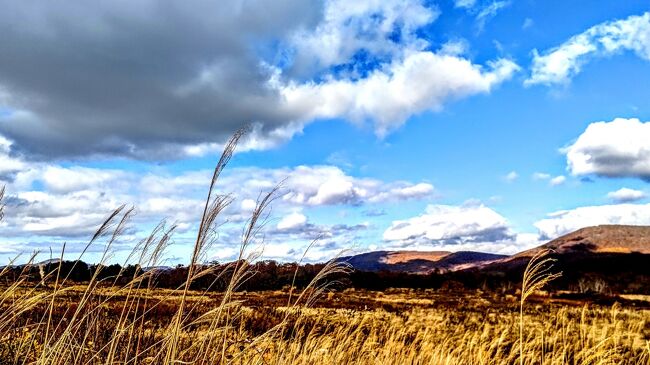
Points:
point(537, 274)
point(295, 334)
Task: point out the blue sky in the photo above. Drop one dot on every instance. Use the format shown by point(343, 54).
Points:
point(450, 125)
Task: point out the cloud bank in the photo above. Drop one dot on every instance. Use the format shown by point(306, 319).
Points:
point(120, 79)
point(50, 203)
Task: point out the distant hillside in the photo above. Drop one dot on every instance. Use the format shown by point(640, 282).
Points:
point(613, 258)
point(603, 244)
point(418, 262)
point(600, 239)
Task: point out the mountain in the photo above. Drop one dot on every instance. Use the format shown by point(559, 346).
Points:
point(599, 239)
point(603, 244)
point(589, 244)
point(607, 258)
point(49, 262)
point(158, 268)
point(418, 262)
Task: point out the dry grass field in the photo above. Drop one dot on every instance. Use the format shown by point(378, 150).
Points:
point(84, 324)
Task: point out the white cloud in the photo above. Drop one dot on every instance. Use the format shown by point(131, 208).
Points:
point(8, 165)
point(560, 64)
point(618, 148)
point(422, 81)
point(45, 214)
point(403, 192)
point(163, 183)
point(566, 221)
point(329, 185)
point(469, 227)
point(511, 176)
point(553, 181)
point(291, 241)
point(446, 223)
point(541, 176)
point(48, 203)
point(626, 195)
point(558, 180)
point(465, 3)
point(488, 12)
point(67, 180)
point(456, 47)
point(369, 26)
point(292, 221)
point(248, 205)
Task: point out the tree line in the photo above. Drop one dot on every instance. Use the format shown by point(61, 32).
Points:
point(604, 273)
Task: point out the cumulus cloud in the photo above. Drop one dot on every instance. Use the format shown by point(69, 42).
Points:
point(445, 224)
point(122, 80)
point(248, 205)
point(295, 227)
point(70, 215)
point(50, 203)
point(613, 149)
point(558, 65)
point(422, 81)
point(68, 180)
point(469, 227)
point(329, 185)
point(295, 236)
point(626, 195)
point(380, 30)
point(552, 181)
point(558, 180)
point(566, 221)
point(292, 221)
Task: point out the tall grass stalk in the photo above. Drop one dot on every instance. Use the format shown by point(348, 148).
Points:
point(536, 275)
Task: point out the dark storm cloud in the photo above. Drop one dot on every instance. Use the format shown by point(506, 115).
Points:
point(139, 79)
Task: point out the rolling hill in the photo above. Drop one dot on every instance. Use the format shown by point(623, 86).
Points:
point(599, 239)
point(418, 262)
point(605, 242)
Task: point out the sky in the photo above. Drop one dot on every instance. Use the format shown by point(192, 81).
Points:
point(491, 126)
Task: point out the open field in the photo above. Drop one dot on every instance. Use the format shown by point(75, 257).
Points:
point(128, 325)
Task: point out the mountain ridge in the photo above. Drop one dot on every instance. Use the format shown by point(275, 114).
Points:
point(601, 239)
point(418, 262)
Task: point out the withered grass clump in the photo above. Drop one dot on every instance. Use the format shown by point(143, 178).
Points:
point(537, 274)
point(125, 319)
